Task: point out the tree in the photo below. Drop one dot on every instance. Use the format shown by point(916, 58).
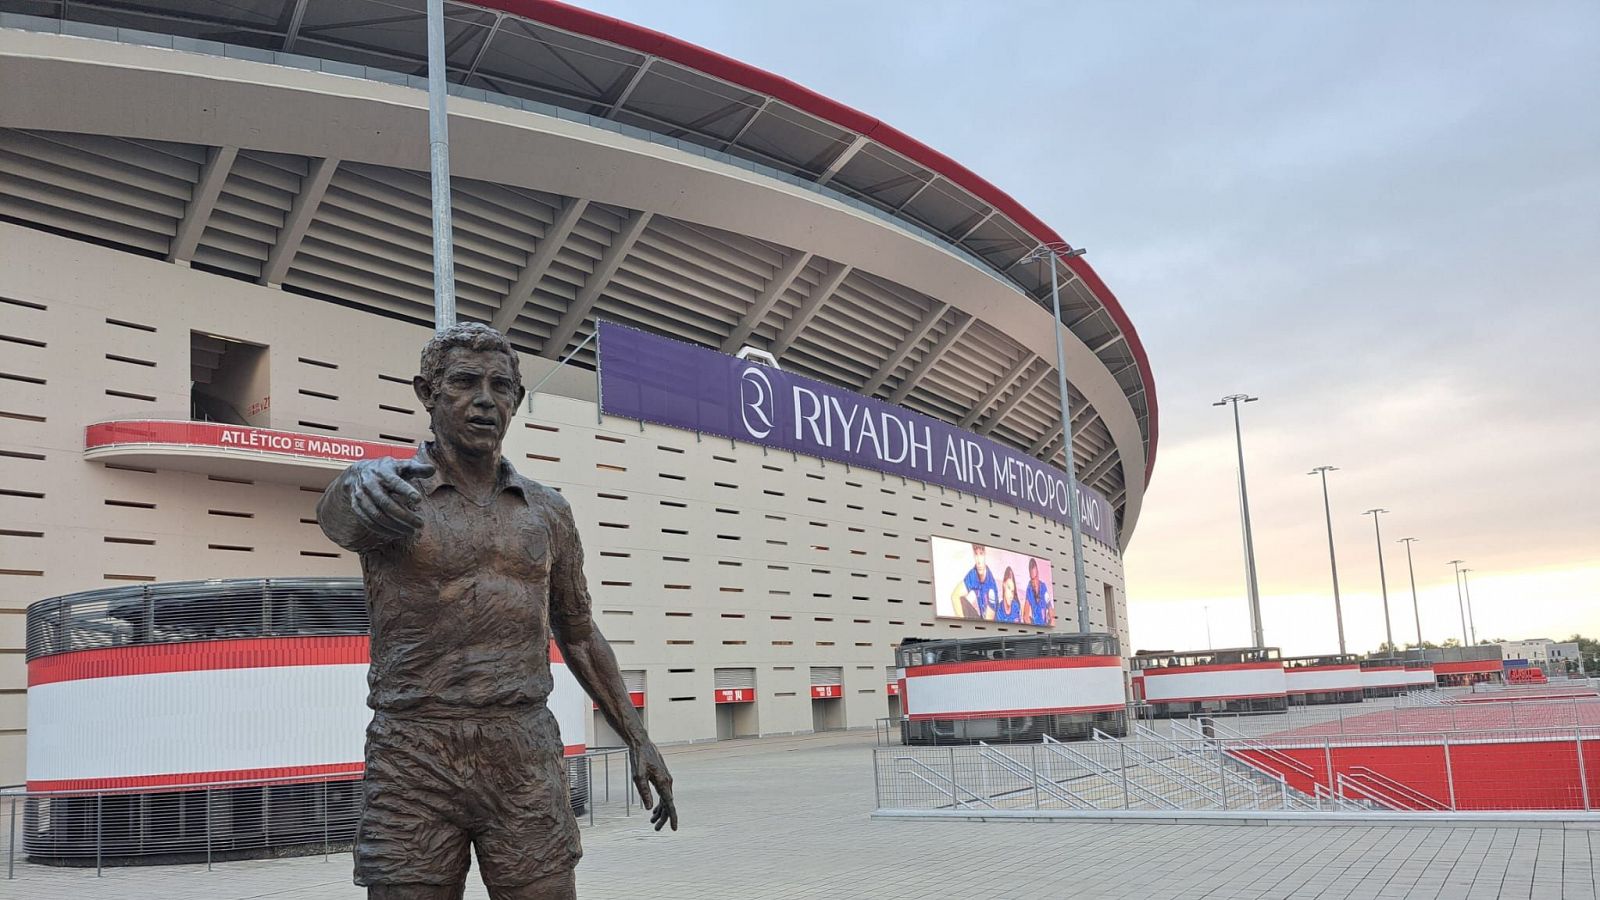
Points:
point(1588, 653)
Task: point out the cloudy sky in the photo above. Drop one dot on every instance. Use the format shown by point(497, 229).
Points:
point(1381, 218)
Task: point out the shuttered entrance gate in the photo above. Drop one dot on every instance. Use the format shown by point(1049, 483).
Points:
point(735, 695)
point(827, 698)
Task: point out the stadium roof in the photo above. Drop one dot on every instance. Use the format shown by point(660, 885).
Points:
point(597, 65)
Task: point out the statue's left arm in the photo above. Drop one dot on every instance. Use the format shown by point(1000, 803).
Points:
point(595, 666)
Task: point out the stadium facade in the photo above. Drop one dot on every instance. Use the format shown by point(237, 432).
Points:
point(215, 275)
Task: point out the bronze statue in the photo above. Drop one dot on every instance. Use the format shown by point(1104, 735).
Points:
point(470, 569)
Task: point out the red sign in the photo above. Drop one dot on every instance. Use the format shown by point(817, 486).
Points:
point(237, 437)
point(826, 691)
point(894, 688)
point(634, 697)
point(736, 695)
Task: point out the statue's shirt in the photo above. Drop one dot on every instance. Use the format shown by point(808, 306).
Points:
point(462, 612)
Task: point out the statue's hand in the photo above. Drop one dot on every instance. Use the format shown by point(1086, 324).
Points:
point(649, 769)
point(384, 501)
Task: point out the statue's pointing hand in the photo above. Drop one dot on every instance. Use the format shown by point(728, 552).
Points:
point(383, 498)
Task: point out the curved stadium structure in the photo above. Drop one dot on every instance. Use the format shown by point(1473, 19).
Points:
point(215, 273)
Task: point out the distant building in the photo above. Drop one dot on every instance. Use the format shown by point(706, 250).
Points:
point(1534, 651)
point(1566, 657)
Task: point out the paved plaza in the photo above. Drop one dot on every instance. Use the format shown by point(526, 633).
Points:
point(790, 817)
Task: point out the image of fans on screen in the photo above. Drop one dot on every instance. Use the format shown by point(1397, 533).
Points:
point(977, 582)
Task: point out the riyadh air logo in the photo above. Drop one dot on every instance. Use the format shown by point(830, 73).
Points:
point(756, 402)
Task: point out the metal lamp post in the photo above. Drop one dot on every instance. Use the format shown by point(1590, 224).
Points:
point(1251, 587)
point(444, 269)
point(1377, 532)
point(1327, 512)
point(1055, 252)
point(1471, 622)
point(1460, 606)
point(1416, 609)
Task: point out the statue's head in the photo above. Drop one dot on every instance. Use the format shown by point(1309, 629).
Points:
point(470, 384)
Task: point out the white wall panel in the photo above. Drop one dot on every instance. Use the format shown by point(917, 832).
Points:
point(1161, 686)
point(1012, 691)
point(1323, 679)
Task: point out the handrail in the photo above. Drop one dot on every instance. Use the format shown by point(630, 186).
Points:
point(1247, 780)
point(1240, 741)
point(1188, 780)
point(1398, 786)
point(942, 777)
point(1322, 792)
point(1347, 784)
point(1049, 785)
point(1104, 771)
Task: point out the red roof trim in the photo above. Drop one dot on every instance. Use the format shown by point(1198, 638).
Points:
point(654, 43)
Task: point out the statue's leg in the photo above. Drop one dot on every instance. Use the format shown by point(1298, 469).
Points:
point(523, 828)
point(417, 891)
point(411, 841)
point(560, 886)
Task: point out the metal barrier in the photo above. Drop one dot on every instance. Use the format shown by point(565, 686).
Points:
point(1522, 770)
point(1109, 774)
point(232, 819)
point(1431, 712)
point(888, 730)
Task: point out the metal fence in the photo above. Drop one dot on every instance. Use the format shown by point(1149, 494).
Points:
point(1139, 773)
point(1424, 711)
point(1206, 767)
point(235, 819)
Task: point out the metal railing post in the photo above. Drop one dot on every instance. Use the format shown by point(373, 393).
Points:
point(588, 777)
point(99, 822)
point(1327, 759)
point(1033, 767)
point(1583, 771)
point(953, 800)
point(11, 851)
point(324, 821)
point(627, 785)
point(1222, 778)
point(1122, 759)
point(208, 829)
point(1449, 772)
point(877, 779)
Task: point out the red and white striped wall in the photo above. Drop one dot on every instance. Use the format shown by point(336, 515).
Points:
point(1225, 681)
point(1322, 679)
point(983, 689)
point(1421, 678)
point(168, 715)
point(1386, 677)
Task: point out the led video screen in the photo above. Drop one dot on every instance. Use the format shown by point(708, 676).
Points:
point(978, 582)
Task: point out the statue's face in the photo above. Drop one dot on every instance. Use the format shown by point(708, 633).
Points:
point(472, 402)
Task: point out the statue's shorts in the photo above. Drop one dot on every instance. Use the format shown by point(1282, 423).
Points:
point(486, 778)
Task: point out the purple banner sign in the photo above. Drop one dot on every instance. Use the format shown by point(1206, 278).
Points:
point(669, 382)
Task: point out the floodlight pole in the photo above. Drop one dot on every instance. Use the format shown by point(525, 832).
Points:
point(1460, 606)
point(1416, 609)
point(1383, 580)
point(1251, 587)
point(1056, 252)
point(444, 270)
point(1333, 563)
point(1471, 622)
